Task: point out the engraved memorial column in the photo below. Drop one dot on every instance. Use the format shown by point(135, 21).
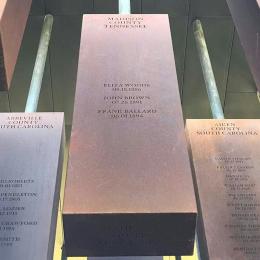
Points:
point(13, 18)
point(226, 161)
point(246, 16)
point(129, 188)
point(31, 158)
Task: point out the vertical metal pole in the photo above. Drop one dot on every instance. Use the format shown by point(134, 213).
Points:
point(124, 7)
point(36, 82)
point(209, 78)
point(37, 76)
point(212, 90)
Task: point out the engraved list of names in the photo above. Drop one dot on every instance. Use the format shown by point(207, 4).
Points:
point(30, 173)
point(127, 118)
point(228, 185)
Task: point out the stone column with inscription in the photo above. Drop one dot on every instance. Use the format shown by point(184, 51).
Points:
point(13, 18)
point(129, 188)
point(31, 158)
point(226, 163)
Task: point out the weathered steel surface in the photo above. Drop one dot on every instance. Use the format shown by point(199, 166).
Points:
point(31, 157)
point(226, 163)
point(129, 187)
point(246, 16)
point(13, 18)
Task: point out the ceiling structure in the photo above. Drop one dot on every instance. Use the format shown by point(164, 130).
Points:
point(235, 83)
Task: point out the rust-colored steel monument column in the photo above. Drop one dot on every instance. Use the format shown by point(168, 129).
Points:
point(13, 18)
point(246, 16)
